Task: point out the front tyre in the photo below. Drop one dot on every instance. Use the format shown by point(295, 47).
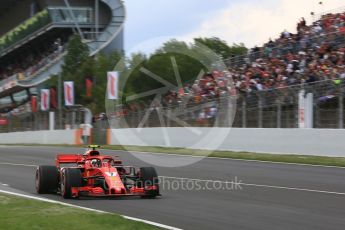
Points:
point(46, 179)
point(70, 178)
point(148, 179)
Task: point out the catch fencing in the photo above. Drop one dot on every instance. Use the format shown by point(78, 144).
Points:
point(274, 108)
point(65, 119)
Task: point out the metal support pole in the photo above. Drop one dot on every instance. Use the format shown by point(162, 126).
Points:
point(317, 123)
point(74, 19)
point(96, 18)
point(9, 123)
point(51, 120)
point(295, 117)
point(32, 122)
point(140, 117)
point(309, 111)
point(60, 100)
point(279, 114)
point(39, 122)
point(73, 123)
point(81, 118)
point(341, 111)
point(12, 99)
point(36, 121)
point(260, 112)
point(228, 108)
point(28, 93)
point(244, 114)
point(169, 115)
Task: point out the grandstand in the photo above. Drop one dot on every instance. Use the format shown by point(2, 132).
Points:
point(268, 80)
point(34, 33)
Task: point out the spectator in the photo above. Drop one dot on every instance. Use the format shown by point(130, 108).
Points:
point(28, 64)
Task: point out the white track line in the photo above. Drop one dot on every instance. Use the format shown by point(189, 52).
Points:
point(241, 183)
point(151, 223)
point(258, 185)
point(14, 164)
point(50, 201)
point(89, 209)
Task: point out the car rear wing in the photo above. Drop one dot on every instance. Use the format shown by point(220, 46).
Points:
point(68, 158)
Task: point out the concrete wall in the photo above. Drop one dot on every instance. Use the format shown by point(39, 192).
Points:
point(39, 137)
point(323, 142)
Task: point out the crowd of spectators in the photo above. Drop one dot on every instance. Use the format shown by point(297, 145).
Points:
point(29, 63)
point(208, 87)
point(314, 53)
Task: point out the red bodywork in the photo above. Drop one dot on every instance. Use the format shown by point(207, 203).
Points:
point(107, 178)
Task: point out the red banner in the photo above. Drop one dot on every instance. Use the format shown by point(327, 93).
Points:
point(34, 104)
point(88, 83)
point(53, 98)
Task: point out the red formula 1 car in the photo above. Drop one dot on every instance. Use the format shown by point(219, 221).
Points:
point(93, 174)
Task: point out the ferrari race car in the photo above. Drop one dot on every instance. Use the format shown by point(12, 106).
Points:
point(93, 174)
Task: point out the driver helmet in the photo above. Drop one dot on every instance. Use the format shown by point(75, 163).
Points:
point(94, 163)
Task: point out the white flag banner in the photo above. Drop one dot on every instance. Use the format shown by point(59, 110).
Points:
point(301, 109)
point(113, 86)
point(69, 93)
point(45, 99)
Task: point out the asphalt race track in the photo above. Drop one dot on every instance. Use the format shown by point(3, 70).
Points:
point(271, 196)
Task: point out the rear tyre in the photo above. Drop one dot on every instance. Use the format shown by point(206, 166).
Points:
point(148, 177)
point(47, 179)
point(70, 178)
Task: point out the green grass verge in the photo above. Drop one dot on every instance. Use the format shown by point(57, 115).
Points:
point(18, 213)
point(282, 158)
